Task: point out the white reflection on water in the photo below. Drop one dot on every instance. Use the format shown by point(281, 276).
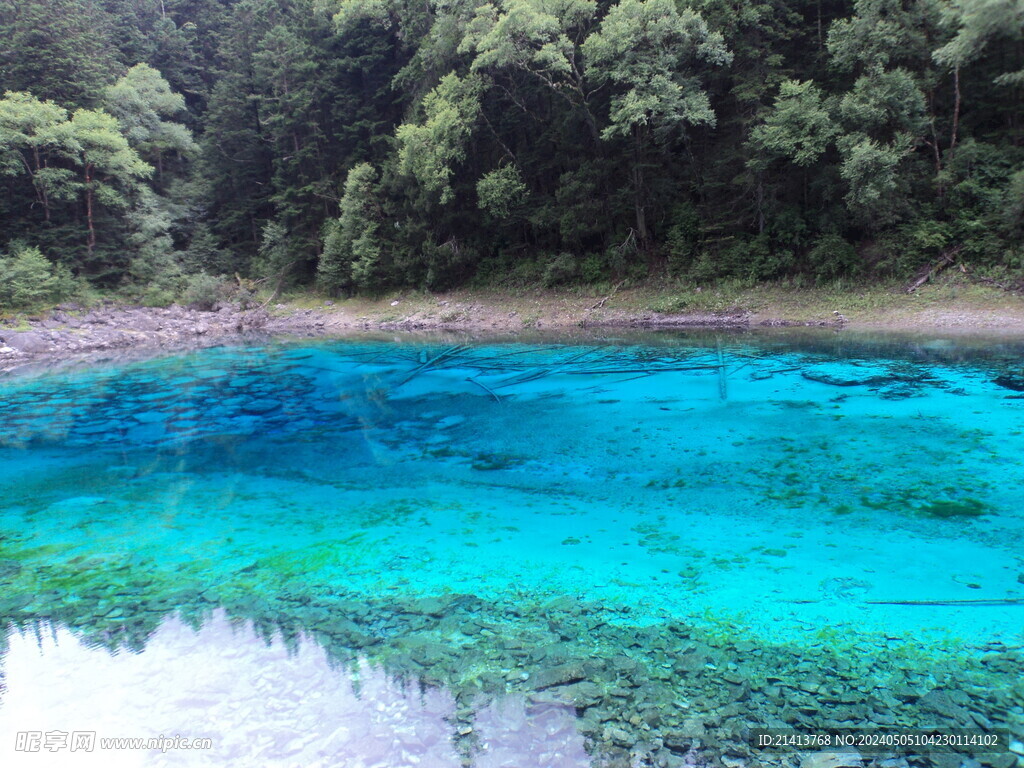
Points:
point(260, 704)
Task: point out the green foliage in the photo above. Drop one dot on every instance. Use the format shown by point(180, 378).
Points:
point(141, 101)
point(351, 12)
point(447, 263)
point(59, 50)
point(375, 144)
point(983, 192)
point(870, 170)
point(833, 257)
point(34, 137)
point(594, 268)
point(203, 253)
point(352, 249)
point(1012, 209)
point(560, 270)
point(275, 258)
point(500, 191)
point(884, 33)
point(429, 151)
point(202, 291)
point(799, 128)
point(930, 237)
point(682, 239)
point(750, 259)
point(645, 48)
point(884, 103)
point(978, 23)
point(28, 279)
point(539, 37)
point(155, 273)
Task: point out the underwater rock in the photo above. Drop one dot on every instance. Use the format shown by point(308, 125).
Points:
point(564, 605)
point(580, 695)
point(906, 693)
point(584, 693)
point(470, 628)
point(947, 704)
point(691, 664)
point(901, 392)
point(12, 605)
point(1004, 760)
point(1010, 382)
point(560, 675)
point(945, 509)
point(832, 760)
point(487, 462)
point(428, 606)
point(618, 736)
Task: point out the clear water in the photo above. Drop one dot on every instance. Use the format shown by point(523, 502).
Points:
point(384, 553)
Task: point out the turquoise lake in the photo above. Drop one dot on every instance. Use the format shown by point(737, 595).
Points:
point(610, 552)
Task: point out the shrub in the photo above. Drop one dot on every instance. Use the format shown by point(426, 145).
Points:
point(202, 291)
point(748, 258)
point(594, 268)
point(560, 270)
point(155, 279)
point(832, 257)
point(682, 239)
point(27, 279)
point(447, 263)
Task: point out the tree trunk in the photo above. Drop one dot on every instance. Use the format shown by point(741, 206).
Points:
point(638, 192)
point(91, 241)
point(595, 135)
point(821, 35)
point(760, 205)
point(638, 204)
point(956, 109)
point(41, 190)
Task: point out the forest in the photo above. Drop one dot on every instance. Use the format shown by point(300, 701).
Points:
point(160, 149)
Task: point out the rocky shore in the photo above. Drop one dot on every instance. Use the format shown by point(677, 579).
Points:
point(71, 331)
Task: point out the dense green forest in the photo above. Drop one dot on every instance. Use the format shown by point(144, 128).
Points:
point(153, 146)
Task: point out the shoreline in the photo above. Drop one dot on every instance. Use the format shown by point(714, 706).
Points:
point(73, 332)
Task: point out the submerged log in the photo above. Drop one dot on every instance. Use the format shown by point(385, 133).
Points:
point(868, 381)
point(953, 603)
point(977, 603)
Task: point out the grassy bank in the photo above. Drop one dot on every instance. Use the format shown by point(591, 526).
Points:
point(951, 303)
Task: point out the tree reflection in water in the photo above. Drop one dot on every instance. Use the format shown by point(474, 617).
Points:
point(261, 704)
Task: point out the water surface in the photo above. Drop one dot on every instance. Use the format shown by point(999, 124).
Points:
point(640, 546)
